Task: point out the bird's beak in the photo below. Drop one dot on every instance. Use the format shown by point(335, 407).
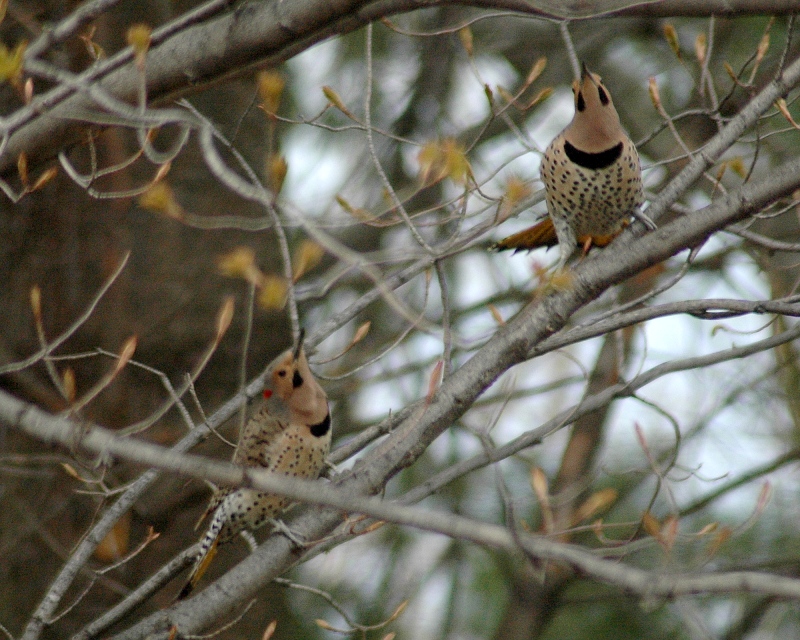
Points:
point(298, 347)
point(587, 75)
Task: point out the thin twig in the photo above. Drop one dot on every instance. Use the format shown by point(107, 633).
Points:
point(57, 342)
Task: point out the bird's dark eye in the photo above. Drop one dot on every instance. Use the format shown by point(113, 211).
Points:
point(603, 95)
point(282, 373)
point(580, 103)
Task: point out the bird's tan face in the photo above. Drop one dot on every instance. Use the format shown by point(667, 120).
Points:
point(595, 126)
point(293, 382)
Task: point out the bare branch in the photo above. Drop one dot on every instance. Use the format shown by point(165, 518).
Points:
point(52, 346)
point(192, 615)
point(199, 48)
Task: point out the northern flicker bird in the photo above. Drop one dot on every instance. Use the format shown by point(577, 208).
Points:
point(289, 434)
point(592, 179)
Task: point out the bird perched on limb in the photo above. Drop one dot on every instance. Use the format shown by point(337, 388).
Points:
point(592, 179)
point(288, 434)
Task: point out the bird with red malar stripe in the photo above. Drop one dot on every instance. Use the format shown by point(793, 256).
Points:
point(289, 433)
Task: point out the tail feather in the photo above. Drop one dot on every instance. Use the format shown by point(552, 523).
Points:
point(542, 234)
point(200, 566)
point(208, 549)
point(209, 542)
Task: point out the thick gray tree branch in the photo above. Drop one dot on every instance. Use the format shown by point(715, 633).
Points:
point(704, 309)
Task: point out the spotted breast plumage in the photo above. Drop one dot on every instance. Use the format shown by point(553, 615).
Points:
point(289, 434)
point(592, 178)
